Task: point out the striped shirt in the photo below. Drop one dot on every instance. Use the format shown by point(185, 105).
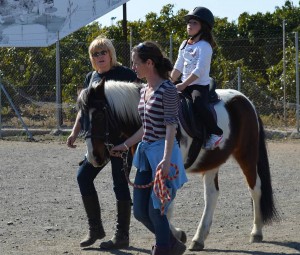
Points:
point(160, 110)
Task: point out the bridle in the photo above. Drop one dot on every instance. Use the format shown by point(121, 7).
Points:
point(110, 122)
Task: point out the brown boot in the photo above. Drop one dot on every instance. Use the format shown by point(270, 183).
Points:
point(96, 231)
point(121, 237)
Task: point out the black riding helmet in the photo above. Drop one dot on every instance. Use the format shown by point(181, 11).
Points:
point(203, 14)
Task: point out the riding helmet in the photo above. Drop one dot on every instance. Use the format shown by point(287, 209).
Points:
point(202, 14)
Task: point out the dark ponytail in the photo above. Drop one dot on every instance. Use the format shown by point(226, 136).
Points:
point(151, 50)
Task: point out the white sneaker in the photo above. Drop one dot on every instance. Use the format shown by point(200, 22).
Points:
point(213, 142)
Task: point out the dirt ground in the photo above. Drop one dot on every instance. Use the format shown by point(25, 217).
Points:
point(41, 212)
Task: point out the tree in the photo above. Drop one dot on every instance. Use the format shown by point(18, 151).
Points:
point(254, 44)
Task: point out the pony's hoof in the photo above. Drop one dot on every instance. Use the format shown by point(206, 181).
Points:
point(256, 239)
point(195, 246)
point(183, 237)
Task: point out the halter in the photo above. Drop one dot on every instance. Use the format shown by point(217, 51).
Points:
point(97, 104)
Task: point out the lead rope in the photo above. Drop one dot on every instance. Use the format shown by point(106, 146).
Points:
point(159, 186)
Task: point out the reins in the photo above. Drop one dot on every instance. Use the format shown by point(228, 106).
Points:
point(159, 187)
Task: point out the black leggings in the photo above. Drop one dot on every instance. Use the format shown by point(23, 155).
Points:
point(202, 111)
point(87, 174)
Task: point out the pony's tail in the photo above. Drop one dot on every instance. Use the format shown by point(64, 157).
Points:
point(267, 205)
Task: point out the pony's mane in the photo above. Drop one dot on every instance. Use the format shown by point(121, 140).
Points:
point(123, 98)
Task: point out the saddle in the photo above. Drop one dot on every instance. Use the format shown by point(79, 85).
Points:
point(187, 120)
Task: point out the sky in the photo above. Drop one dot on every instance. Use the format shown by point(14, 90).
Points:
point(137, 9)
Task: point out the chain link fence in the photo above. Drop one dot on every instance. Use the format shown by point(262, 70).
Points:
point(35, 102)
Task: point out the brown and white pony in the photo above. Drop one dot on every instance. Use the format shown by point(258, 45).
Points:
point(112, 110)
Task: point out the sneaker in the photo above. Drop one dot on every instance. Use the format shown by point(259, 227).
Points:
point(213, 142)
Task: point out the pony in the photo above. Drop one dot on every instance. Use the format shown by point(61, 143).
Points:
point(111, 107)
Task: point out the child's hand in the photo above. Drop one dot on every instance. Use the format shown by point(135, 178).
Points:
point(180, 87)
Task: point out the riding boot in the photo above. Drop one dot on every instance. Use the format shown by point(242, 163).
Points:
point(93, 212)
point(193, 151)
point(121, 237)
point(207, 118)
point(161, 250)
point(176, 247)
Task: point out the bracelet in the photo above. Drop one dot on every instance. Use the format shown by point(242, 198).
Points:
point(127, 148)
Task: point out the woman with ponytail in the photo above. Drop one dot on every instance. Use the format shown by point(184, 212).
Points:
point(158, 148)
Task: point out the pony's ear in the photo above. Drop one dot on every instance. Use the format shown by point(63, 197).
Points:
point(82, 100)
point(99, 89)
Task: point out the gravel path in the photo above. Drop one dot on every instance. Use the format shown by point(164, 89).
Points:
point(41, 210)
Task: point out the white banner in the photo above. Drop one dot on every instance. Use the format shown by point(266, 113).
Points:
point(40, 23)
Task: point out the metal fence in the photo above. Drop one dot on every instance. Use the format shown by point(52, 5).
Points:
point(36, 105)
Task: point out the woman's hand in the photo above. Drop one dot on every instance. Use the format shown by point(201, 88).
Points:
point(115, 151)
point(71, 140)
point(164, 165)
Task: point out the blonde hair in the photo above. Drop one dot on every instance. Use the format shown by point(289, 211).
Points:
point(103, 43)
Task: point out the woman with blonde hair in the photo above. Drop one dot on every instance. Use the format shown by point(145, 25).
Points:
point(104, 61)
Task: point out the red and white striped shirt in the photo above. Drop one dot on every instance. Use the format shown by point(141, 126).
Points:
point(160, 110)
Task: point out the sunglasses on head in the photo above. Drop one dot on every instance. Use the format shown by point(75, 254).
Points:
point(141, 46)
point(99, 53)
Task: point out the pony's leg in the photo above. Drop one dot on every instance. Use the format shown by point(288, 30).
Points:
point(211, 193)
point(256, 233)
point(254, 187)
point(177, 232)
